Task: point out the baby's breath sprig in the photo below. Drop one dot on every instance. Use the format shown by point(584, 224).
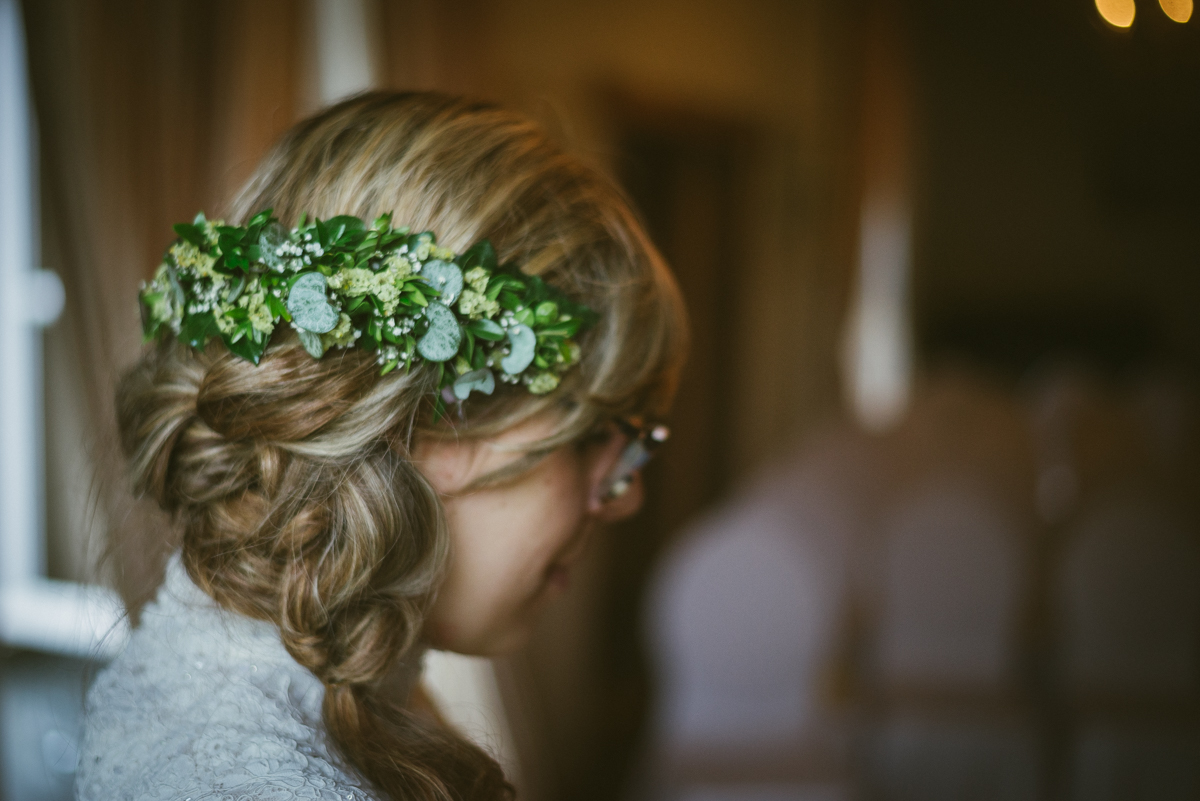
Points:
point(340, 283)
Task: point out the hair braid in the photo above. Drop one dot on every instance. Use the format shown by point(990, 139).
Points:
point(293, 514)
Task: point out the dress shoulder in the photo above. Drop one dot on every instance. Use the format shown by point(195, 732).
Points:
point(206, 705)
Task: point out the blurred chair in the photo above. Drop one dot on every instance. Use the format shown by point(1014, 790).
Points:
point(943, 650)
point(1129, 608)
point(950, 590)
point(746, 626)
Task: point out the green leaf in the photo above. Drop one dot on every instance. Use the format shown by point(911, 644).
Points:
point(150, 324)
point(468, 350)
point(197, 329)
point(277, 308)
point(495, 285)
point(234, 260)
point(249, 348)
point(191, 233)
point(228, 236)
point(509, 301)
point(546, 312)
point(566, 328)
point(236, 290)
point(481, 254)
point(343, 227)
point(486, 329)
point(260, 219)
point(525, 316)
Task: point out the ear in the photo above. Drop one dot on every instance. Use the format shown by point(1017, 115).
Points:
point(625, 504)
point(600, 465)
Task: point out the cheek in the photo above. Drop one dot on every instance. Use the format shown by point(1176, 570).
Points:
point(503, 543)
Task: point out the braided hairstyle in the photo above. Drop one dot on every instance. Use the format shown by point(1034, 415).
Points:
point(291, 480)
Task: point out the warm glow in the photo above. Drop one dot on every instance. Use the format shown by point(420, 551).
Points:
point(1119, 13)
point(1178, 10)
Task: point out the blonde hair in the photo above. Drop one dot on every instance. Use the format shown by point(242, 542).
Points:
point(290, 480)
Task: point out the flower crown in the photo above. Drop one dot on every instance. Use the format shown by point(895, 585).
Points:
point(339, 283)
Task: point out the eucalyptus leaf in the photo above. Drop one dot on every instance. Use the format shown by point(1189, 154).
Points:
point(176, 290)
point(312, 343)
point(308, 305)
point(545, 318)
point(523, 344)
point(476, 380)
point(441, 341)
point(445, 277)
point(269, 242)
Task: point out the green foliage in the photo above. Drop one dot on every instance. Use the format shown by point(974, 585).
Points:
point(341, 283)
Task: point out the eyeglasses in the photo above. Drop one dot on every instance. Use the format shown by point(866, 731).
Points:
point(644, 440)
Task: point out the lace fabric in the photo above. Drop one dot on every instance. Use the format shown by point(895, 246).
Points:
point(207, 705)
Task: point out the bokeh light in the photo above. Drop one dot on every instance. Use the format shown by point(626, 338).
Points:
point(1178, 10)
point(1119, 13)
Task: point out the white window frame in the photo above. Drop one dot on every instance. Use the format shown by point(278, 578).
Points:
point(36, 612)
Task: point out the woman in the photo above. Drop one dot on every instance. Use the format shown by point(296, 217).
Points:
point(364, 491)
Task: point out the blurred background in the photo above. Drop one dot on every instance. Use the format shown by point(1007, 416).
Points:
point(927, 526)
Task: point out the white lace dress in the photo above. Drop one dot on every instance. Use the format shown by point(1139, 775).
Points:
point(207, 705)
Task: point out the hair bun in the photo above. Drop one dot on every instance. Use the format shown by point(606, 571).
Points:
point(284, 399)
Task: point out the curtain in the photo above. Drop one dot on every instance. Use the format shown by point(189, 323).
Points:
point(148, 112)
